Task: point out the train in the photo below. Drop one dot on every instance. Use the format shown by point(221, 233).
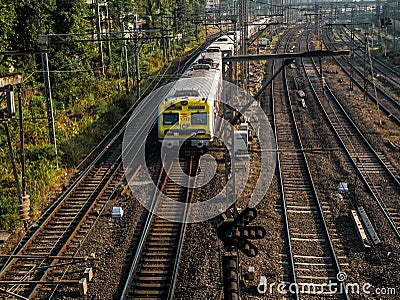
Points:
point(187, 115)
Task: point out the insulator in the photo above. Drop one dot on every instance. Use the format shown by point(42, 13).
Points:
point(24, 208)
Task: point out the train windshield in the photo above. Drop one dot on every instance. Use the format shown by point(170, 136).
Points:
point(170, 119)
point(199, 118)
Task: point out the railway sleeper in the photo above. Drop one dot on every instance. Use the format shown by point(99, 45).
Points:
point(165, 232)
point(165, 225)
point(158, 249)
point(309, 240)
point(153, 288)
point(147, 292)
point(60, 226)
point(151, 279)
point(161, 243)
point(50, 235)
point(312, 271)
point(75, 198)
point(318, 279)
point(160, 254)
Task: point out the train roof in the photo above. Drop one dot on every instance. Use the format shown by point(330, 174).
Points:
point(204, 88)
point(207, 71)
point(219, 47)
point(229, 39)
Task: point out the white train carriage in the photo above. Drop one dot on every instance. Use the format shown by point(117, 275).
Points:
point(187, 115)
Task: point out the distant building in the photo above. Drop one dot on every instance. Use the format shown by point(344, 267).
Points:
point(212, 5)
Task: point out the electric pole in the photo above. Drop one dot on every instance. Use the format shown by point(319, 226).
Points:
point(43, 44)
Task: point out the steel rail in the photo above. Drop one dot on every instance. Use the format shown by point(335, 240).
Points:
point(189, 195)
point(390, 114)
point(395, 84)
point(315, 195)
point(367, 144)
point(391, 69)
point(81, 221)
point(53, 210)
point(146, 230)
point(69, 231)
point(278, 162)
point(164, 177)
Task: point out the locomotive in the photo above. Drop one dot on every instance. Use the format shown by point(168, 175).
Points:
point(187, 114)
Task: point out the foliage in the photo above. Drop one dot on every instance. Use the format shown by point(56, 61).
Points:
point(34, 17)
point(7, 19)
point(87, 102)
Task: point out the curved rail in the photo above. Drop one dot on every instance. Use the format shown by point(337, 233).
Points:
point(60, 227)
point(386, 102)
point(306, 224)
point(392, 70)
point(368, 163)
point(285, 215)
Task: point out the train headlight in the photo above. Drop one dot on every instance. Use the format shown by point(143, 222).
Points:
point(184, 102)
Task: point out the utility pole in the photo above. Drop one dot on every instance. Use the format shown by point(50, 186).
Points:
point(126, 66)
point(108, 29)
point(98, 26)
point(372, 73)
point(7, 86)
point(365, 70)
point(43, 44)
point(351, 87)
point(243, 21)
point(392, 16)
point(136, 49)
point(124, 57)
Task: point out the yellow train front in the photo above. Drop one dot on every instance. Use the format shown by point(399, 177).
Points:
point(186, 119)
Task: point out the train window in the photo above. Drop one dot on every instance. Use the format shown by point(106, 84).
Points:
point(199, 118)
point(173, 107)
point(213, 49)
point(187, 93)
point(207, 61)
point(201, 67)
point(197, 107)
point(170, 119)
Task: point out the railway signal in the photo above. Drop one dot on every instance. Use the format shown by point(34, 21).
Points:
point(236, 232)
point(386, 22)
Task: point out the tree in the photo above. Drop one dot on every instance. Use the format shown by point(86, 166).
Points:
point(8, 18)
point(34, 17)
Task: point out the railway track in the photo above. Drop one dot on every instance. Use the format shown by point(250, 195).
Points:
point(387, 103)
point(38, 264)
point(62, 229)
point(372, 167)
point(162, 78)
point(311, 259)
point(154, 268)
point(391, 74)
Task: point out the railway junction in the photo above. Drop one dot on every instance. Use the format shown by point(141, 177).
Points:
point(303, 172)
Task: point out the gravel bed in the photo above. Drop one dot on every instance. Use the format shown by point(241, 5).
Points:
point(329, 168)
